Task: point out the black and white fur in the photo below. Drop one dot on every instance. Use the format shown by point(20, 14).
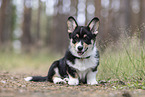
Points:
point(81, 59)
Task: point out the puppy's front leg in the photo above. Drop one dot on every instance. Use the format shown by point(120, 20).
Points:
point(73, 77)
point(91, 78)
point(73, 80)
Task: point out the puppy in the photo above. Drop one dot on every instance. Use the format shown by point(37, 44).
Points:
point(81, 60)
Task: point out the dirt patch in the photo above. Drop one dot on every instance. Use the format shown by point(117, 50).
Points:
point(12, 85)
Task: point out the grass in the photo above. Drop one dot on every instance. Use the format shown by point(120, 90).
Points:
point(26, 62)
point(124, 61)
point(122, 64)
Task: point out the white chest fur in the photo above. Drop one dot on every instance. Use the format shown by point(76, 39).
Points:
point(83, 64)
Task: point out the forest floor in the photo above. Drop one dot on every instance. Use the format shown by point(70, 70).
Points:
point(13, 85)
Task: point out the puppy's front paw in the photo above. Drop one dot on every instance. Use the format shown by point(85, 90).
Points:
point(92, 82)
point(73, 82)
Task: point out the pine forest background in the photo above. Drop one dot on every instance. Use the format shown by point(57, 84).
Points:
point(27, 25)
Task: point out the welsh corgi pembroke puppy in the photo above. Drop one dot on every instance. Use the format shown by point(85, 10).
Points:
point(81, 60)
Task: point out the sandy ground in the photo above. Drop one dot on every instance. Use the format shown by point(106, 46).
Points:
point(13, 85)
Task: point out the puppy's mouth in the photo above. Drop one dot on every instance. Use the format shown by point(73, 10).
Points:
point(82, 52)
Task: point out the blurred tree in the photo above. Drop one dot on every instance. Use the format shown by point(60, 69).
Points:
point(59, 33)
point(26, 26)
point(38, 23)
point(73, 8)
point(50, 16)
point(134, 16)
point(5, 21)
point(125, 14)
point(105, 15)
point(98, 8)
point(142, 20)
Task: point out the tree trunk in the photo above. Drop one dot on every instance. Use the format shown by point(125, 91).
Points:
point(26, 27)
point(125, 14)
point(98, 8)
point(38, 23)
point(142, 20)
point(59, 35)
point(5, 21)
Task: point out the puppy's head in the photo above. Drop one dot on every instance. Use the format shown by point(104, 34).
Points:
point(82, 38)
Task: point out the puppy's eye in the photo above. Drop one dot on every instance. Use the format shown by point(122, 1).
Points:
point(86, 37)
point(75, 37)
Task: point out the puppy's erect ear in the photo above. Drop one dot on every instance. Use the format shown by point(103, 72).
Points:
point(94, 25)
point(71, 24)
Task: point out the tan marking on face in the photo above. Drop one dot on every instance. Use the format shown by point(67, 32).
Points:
point(85, 35)
point(77, 35)
point(85, 45)
point(73, 45)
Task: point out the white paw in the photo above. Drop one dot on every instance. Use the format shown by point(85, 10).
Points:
point(73, 81)
point(92, 82)
point(57, 80)
point(28, 78)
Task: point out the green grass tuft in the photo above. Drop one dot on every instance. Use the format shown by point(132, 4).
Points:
point(124, 61)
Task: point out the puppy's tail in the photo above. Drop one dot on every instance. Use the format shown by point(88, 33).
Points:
point(36, 78)
point(49, 77)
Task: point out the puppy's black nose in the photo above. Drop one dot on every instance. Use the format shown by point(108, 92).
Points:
point(80, 48)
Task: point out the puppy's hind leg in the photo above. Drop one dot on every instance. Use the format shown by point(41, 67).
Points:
point(58, 80)
point(53, 74)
